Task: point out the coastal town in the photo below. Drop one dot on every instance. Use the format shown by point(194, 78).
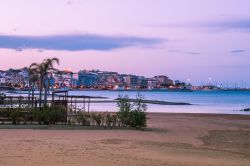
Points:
point(91, 79)
point(102, 80)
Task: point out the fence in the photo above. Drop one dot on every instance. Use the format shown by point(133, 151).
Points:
point(72, 103)
point(17, 102)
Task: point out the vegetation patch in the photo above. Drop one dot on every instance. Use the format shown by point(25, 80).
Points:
point(129, 115)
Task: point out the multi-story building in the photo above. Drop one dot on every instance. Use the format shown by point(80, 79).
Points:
point(143, 83)
point(163, 81)
point(131, 81)
point(2, 80)
point(63, 78)
point(152, 84)
point(17, 77)
point(87, 79)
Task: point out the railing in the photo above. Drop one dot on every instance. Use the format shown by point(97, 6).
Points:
point(17, 102)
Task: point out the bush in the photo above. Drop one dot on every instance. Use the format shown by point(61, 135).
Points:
point(5, 112)
point(37, 115)
point(138, 115)
point(53, 114)
point(83, 118)
point(15, 116)
point(108, 119)
point(46, 115)
point(98, 118)
point(132, 114)
point(111, 119)
point(114, 119)
point(125, 108)
point(139, 119)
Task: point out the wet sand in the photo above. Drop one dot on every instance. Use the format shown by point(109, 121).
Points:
point(171, 139)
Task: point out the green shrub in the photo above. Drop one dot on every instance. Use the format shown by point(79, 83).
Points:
point(38, 116)
point(132, 114)
point(138, 115)
point(83, 118)
point(5, 112)
point(125, 107)
point(15, 116)
point(111, 119)
point(138, 119)
point(108, 119)
point(115, 120)
point(98, 118)
point(53, 114)
point(46, 115)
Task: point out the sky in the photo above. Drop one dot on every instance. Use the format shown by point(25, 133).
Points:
point(190, 40)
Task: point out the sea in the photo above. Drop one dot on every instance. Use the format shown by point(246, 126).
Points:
point(219, 102)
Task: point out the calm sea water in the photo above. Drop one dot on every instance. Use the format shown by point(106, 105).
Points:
point(227, 102)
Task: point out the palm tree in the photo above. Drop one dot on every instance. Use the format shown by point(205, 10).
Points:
point(42, 70)
point(33, 78)
point(48, 68)
point(38, 70)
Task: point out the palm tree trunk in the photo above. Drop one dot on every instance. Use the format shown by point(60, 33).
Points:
point(29, 94)
point(33, 95)
point(45, 90)
point(40, 92)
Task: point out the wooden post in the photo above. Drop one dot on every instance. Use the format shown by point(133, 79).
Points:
point(53, 96)
point(75, 103)
point(10, 102)
point(88, 105)
point(71, 102)
point(19, 101)
point(35, 102)
point(84, 105)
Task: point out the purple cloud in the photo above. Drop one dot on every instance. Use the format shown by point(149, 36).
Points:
point(74, 42)
point(242, 25)
point(238, 51)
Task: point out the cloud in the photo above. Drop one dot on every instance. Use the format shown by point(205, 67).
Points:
point(241, 66)
point(238, 51)
point(40, 50)
point(74, 42)
point(233, 24)
point(192, 53)
point(185, 52)
point(70, 2)
point(242, 25)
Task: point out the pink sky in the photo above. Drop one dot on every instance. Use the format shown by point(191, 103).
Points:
point(198, 38)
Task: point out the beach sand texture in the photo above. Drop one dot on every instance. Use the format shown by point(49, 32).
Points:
point(171, 139)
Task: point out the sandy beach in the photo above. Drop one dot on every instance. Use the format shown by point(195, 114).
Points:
point(171, 139)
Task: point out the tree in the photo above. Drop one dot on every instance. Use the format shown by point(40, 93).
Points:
point(33, 78)
point(48, 68)
point(132, 114)
point(37, 69)
point(42, 70)
point(125, 108)
point(138, 115)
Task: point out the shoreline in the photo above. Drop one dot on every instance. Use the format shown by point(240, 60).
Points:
point(149, 90)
